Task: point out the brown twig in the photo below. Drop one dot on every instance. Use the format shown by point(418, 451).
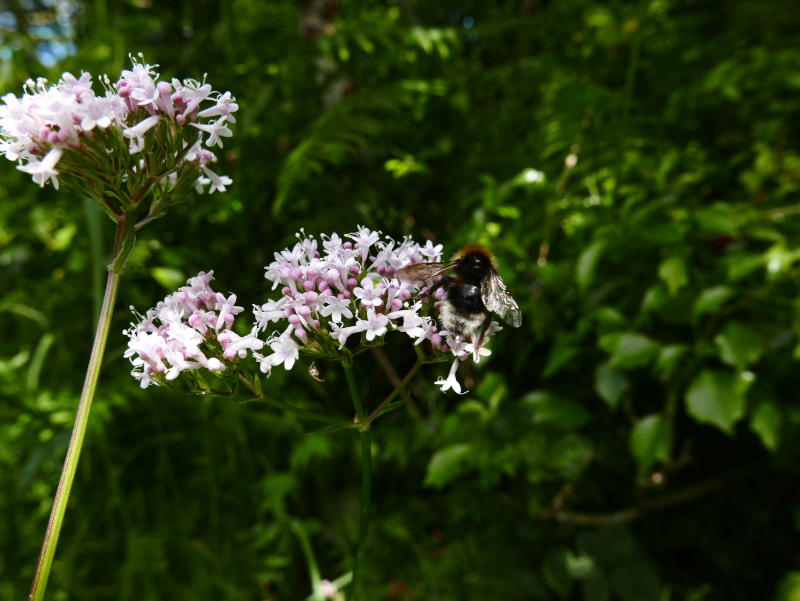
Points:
point(652, 505)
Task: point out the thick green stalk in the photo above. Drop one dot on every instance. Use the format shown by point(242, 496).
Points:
point(76, 442)
point(122, 247)
point(366, 461)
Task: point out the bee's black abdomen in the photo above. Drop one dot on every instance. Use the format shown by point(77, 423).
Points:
point(466, 297)
point(461, 311)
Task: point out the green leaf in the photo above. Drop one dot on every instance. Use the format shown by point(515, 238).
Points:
point(739, 344)
point(718, 219)
point(610, 384)
point(650, 442)
point(766, 422)
point(446, 464)
point(633, 350)
point(712, 299)
point(587, 261)
point(668, 357)
point(168, 277)
point(555, 572)
point(713, 397)
point(564, 414)
point(789, 587)
point(673, 272)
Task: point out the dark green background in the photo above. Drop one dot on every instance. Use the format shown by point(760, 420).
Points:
point(634, 440)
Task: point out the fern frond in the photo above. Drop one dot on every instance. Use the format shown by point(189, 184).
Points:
point(337, 135)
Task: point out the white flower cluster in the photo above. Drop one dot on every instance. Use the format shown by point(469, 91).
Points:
point(349, 288)
point(190, 329)
point(47, 122)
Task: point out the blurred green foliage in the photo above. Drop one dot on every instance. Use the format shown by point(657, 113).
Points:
point(635, 168)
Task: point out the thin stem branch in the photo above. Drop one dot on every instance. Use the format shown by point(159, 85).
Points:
point(76, 442)
point(351, 383)
point(286, 406)
point(366, 460)
point(297, 411)
point(396, 391)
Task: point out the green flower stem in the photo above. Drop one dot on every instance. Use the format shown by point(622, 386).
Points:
point(261, 398)
point(351, 383)
point(366, 461)
point(297, 411)
point(76, 442)
point(396, 391)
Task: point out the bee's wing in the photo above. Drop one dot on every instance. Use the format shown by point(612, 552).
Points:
point(423, 274)
point(496, 298)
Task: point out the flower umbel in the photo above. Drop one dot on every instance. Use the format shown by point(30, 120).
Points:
point(146, 133)
point(348, 290)
point(189, 330)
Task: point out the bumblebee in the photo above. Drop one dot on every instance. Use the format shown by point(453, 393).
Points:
point(472, 292)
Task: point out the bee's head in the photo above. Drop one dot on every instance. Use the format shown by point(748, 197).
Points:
point(475, 261)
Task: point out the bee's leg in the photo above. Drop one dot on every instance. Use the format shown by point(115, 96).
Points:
point(486, 323)
point(431, 291)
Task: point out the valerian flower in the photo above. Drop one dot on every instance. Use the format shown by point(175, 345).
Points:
point(189, 330)
point(349, 290)
point(141, 131)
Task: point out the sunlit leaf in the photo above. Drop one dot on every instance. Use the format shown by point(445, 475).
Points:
point(714, 397)
point(739, 344)
point(447, 463)
point(766, 421)
point(650, 442)
point(610, 384)
point(587, 262)
point(712, 299)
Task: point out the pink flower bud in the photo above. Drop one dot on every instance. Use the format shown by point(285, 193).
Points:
point(439, 293)
point(304, 312)
point(333, 275)
point(436, 340)
point(354, 270)
point(286, 291)
point(405, 294)
point(346, 294)
point(288, 311)
point(212, 320)
point(229, 320)
point(300, 333)
point(352, 283)
point(323, 285)
point(348, 245)
point(294, 320)
point(444, 348)
point(397, 304)
point(311, 297)
point(381, 269)
point(309, 286)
